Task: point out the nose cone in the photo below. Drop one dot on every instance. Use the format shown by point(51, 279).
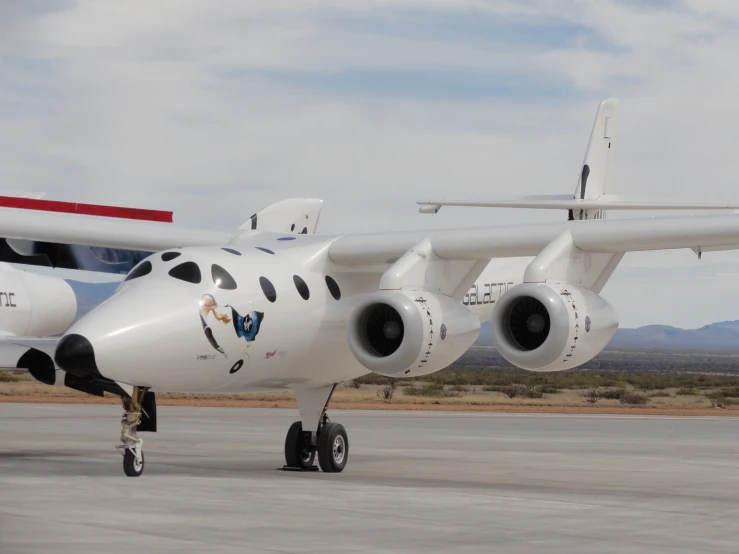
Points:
point(75, 355)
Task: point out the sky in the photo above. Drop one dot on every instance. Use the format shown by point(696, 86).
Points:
point(214, 110)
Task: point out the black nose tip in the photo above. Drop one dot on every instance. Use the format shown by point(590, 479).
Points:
point(75, 355)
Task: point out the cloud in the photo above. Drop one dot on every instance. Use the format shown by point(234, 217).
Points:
point(216, 110)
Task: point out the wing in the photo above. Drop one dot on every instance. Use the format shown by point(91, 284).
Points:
point(103, 231)
point(18, 226)
point(708, 233)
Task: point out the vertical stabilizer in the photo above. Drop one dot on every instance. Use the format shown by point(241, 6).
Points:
point(592, 182)
point(292, 215)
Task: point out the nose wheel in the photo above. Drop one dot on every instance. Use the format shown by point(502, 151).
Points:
point(133, 461)
point(132, 447)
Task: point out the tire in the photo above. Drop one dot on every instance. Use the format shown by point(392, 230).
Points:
point(333, 448)
point(296, 452)
point(130, 466)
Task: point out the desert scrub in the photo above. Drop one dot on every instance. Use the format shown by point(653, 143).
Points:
point(633, 398)
point(9, 377)
point(613, 394)
point(433, 390)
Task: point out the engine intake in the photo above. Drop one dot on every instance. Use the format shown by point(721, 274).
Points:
point(405, 333)
point(543, 327)
point(383, 329)
point(528, 323)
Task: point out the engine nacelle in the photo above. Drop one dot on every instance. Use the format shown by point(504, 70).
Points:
point(33, 305)
point(406, 333)
point(544, 327)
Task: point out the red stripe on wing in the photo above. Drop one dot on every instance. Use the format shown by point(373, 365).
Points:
point(85, 209)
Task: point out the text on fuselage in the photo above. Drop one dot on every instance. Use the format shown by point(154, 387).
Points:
point(485, 293)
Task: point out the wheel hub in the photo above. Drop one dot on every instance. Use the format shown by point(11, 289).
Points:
point(339, 449)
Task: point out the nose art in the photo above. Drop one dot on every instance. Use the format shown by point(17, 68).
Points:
point(74, 354)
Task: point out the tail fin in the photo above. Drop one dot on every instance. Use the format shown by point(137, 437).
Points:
point(591, 199)
point(596, 168)
point(292, 215)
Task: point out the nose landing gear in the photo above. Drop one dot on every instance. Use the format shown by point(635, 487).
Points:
point(329, 440)
point(131, 445)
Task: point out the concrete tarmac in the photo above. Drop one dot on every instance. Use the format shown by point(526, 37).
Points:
point(415, 483)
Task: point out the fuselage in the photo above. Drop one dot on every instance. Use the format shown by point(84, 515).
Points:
point(243, 318)
point(33, 305)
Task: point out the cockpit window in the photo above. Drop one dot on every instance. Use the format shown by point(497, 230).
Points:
point(263, 249)
point(168, 256)
point(144, 268)
point(187, 271)
point(232, 251)
point(222, 278)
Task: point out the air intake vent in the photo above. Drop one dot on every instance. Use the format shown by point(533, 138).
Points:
point(527, 323)
point(383, 329)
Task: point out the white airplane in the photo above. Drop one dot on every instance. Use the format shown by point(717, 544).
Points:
point(266, 309)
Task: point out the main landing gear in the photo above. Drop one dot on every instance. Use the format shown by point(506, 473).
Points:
point(329, 440)
point(139, 415)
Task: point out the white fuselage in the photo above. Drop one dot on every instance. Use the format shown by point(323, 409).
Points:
point(33, 305)
point(240, 319)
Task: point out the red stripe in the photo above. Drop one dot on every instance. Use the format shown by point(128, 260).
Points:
point(85, 209)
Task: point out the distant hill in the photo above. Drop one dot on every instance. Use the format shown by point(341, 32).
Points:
point(716, 337)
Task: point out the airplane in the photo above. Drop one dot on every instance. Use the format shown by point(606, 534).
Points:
point(271, 309)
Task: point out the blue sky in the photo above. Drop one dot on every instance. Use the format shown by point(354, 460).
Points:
point(215, 110)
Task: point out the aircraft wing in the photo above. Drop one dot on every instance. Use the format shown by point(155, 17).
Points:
point(707, 233)
point(712, 233)
point(103, 231)
point(21, 224)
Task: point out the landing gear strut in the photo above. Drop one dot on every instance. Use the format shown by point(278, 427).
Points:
point(329, 440)
point(131, 446)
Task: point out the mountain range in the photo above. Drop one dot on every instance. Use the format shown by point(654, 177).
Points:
point(716, 337)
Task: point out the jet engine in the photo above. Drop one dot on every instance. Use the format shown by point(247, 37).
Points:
point(33, 305)
point(406, 333)
point(544, 327)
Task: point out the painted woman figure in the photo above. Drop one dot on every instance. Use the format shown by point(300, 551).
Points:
point(208, 305)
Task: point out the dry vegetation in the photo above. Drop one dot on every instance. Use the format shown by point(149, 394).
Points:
point(478, 389)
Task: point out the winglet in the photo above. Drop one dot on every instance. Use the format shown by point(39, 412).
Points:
point(292, 215)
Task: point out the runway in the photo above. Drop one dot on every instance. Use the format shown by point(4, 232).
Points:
point(415, 483)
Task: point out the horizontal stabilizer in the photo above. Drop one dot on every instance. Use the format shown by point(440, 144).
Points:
point(604, 202)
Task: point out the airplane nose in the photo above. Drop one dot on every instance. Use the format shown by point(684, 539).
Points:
point(75, 355)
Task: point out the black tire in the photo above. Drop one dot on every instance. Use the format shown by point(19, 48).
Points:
point(297, 452)
point(130, 467)
point(333, 448)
